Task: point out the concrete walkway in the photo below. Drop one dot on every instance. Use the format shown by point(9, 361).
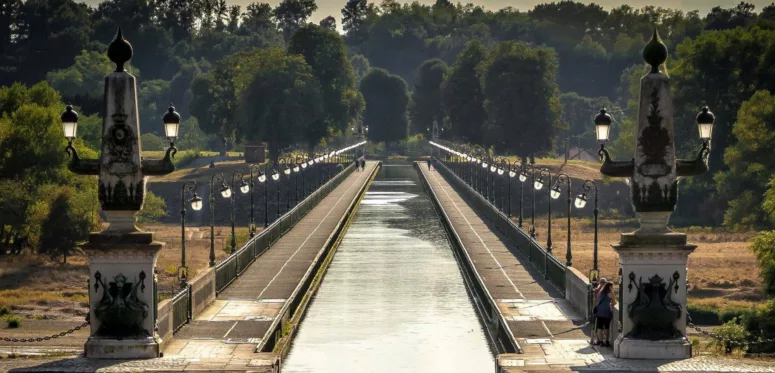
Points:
point(552, 336)
point(224, 336)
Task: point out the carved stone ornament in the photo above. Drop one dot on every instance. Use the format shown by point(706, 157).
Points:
point(653, 312)
point(120, 312)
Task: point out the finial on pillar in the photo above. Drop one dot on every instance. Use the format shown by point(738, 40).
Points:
point(119, 51)
point(655, 52)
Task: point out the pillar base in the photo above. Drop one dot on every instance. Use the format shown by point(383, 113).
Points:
point(669, 349)
point(108, 348)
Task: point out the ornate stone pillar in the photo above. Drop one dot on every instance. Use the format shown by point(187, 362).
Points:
point(122, 259)
point(653, 259)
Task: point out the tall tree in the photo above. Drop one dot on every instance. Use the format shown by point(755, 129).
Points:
point(463, 97)
point(353, 15)
point(387, 100)
point(281, 103)
point(578, 114)
point(325, 52)
point(426, 104)
point(750, 163)
point(521, 98)
point(328, 23)
point(292, 14)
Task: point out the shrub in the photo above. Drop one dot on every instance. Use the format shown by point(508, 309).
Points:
point(733, 335)
point(761, 326)
point(14, 322)
point(185, 157)
point(4, 311)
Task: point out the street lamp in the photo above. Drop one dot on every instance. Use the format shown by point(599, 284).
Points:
point(555, 193)
point(225, 193)
point(522, 178)
point(581, 201)
point(243, 188)
point(537, 185)
point(287, 162)
point(171, 124)
point(196, 205)
point(297, 170)
point(70, 124)
point(533, 200)
point(255, 172)
point(275, 177)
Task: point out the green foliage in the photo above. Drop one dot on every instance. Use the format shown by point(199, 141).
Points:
point(13, 322)
point(463, 97)
point(426, 106)
point(152, 142)
point(578, 114)
point(763, 245)
point(386, 99)
point(731, 331)
point(154, 208)
point(33, 169)
point(750, 163)
point(281, 102)
point(292, 14)
point(186, 157)
point(191, 136)
point(325, 52)
point(4, 311)
point(761, 326)
point(361, 66)
point(64, 226)
point(521, 98)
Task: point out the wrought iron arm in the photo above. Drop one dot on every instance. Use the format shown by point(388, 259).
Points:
point(615, 168)
point(696, 166)
point(159, 167)
point(81, 166)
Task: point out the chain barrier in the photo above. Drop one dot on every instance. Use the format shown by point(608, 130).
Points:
point(690, 323)
point(46, 338)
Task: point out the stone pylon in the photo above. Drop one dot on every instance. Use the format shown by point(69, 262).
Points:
point(122, 259)
point(653, 259)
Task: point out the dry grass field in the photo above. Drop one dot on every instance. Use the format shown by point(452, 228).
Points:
point(722, 271)
point(34, 287)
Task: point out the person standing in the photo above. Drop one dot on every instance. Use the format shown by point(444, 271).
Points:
point(429, 164)
point(363, 164)
point(604, 313)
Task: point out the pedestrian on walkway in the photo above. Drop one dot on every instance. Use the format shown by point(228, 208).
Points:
point(604, 312)
point(595, 295)
point(363, 164)
point(356, 165)
point(429, 164)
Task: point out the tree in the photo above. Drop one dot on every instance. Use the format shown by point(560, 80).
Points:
point(154, 208)
point(426, 104)
point(353, 15)
point(521, 98)
point(292, 14)
point(387, 99)
point(60, 231)
point(578, 115)
point(325, 52)
point(258, 17)
point(750, 163)
point(361, 66)
point(462, 95)
point(328, 23)
point(281, 104)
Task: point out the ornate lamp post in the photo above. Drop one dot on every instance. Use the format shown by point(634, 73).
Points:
point(523, 175)
point(196, 205)
point(653, 258)
point(538, 185)
point(493, 171)
point(121, 256)
point(533, 200)
point(297, 170)
point(275, 177)
point(581, 201)
point(555, 194)
point(255, 172)
point(225, 193)
point(287, 171)
point(243, 188)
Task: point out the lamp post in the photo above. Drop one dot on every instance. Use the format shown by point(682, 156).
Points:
point(555, 194)
point(533, 200)
point(538, 185)
point(255, 172)
point(297, 168)
point(654, 258)
point(493, 171)
point(581, 201)
point(288, 162)
point(243, 188)
point(275, 177)
point(122, 180)
point(225, 193)
point(512, 173)
point(196, 205)
point(522, 178)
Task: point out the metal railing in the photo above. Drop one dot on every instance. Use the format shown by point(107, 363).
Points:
point(229, 269)
point(552, 268)
point(181, 308)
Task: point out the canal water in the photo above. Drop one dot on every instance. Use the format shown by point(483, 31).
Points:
point(393, 299)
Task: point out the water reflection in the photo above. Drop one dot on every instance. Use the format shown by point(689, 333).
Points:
point(393, 299)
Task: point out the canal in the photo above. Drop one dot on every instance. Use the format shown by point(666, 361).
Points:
point(393, 298)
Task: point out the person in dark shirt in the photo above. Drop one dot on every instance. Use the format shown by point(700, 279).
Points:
point(604, 312)
point(429, 164)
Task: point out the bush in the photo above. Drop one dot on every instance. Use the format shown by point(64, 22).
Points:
point(708, 315)
point(761, 326)
point(4, 311)
point(734, 335)
point(14, 322)
point(184, 158)
point(154, 208)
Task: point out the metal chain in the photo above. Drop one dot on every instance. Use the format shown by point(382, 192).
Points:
point(46, 338)
point(690, 323)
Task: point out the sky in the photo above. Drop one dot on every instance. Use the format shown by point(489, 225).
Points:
point(334, 7)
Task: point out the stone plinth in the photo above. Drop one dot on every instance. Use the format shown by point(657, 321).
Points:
point(122, 296)
point(653, 295)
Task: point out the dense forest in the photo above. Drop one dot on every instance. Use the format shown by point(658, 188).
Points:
point(518, 82)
